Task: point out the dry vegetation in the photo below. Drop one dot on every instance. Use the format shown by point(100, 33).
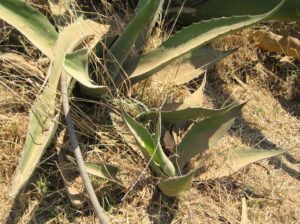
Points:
point(270, 120)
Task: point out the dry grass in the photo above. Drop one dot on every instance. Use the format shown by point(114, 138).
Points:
point(270, 120)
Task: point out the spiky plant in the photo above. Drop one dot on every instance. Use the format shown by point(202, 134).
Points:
point(69, 61)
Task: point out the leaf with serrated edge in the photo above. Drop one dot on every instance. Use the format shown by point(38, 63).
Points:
point(173, 186)
point(189, 66)
point(178, 112)
point(187, 40)
point(205, 134)
point(76, 65)
point(228, 162)
point(121, 48)
point(31, 23)
point(104, 171)
point(43, 121)
point(144, 141)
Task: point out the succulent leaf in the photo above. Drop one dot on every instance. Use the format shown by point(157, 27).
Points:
point(160, 163)
point(43, 117)
point(173, 186)
point(205, 134)
point(228, 162)
point(165, 164)
point(204, 10)
point(104, 171)
point(31, 23)
point(187, 40)
point(179, 112)
point(144, 141)
point(76, 65)
point(189, 66)
point(121, 48)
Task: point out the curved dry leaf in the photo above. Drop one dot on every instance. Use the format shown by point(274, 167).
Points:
point(276, 43)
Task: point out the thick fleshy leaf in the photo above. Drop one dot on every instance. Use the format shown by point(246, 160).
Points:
point(164, 162)
point(104, 171)
point(122, 129)
point(228, 162)
point(173, 186)
point(121, 48)
point(144, 141)
point(187, 40)
point(179, 112)
point(31, 23)
point(43, 118)
point(76, 65)
point(204, 10)
point(190, 66)
point(141, 39)
point(205, 134)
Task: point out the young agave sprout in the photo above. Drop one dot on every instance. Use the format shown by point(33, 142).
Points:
point(69, 61)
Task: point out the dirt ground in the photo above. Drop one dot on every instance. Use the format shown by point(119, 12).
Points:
point(270, 120)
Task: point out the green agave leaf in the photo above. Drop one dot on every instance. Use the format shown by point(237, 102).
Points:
point(189, 66)
point(203, 10)
point(228, 162)
point(121, 48)
point(104, 171)
point(179, 112)
point(76, 65)
point(141, 39)
point(187, 40)
point(205, 134)
point(145, 143)
point(173, 186)
point(165, 164)
point(43, 120)
point(31, 23)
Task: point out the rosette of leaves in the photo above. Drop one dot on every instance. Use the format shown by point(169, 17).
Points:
point(200, 137)
point(69, 60)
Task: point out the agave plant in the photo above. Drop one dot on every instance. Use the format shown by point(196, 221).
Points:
point(200, 137)
point(69, 60)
